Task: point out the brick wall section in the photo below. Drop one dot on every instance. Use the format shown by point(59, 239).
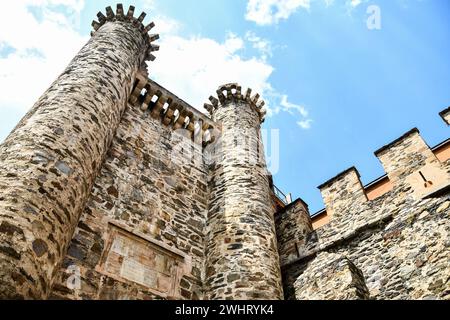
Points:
point(242, 260)
point(49, 162)
point(147, 186)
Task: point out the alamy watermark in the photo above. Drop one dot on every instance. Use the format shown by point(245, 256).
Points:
point(250, 146)
point(374, 19)
point(74, 280)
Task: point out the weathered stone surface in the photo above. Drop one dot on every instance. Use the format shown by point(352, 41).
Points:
point(400, 241)
point(331, 277)
point(241, 239)
point(58, 148)
point(409, 161)
point(150, 189)
point(293, 226)
point(343, 193)
point(112, 187)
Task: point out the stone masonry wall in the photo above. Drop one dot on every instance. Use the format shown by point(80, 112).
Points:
point(293, 226)
point(114, 188)
point(403, 257)
point(242, 259)
point(399, 241)
point(153, 191)
point(49, 162)
point(331, 277)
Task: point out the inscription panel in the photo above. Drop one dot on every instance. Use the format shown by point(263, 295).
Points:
point(129, 257)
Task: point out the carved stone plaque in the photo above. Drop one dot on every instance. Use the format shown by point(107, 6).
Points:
point(130, 257)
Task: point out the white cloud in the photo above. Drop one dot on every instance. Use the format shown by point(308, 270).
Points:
point(270, 12)
point(233, 43)
point(282, 104)
point(33, 54)
point(39, 48)
point(264, 46)
point(148, 5)
point(352, 5)
point(305, 124)
point(291, 107)
point(165, 26)
point(267, 12)
point(193, 68)
point(355, 3)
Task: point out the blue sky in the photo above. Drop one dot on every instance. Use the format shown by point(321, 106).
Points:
point(335, 89)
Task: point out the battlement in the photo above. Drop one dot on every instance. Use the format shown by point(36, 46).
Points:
point(408, 162)
point(100, 184)
point(445, 114)
point(344, 189)
point(171, 110)
point(232, 92)
point(119, 15)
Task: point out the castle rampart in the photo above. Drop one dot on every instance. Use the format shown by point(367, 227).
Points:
point(398, 241)
point(242, 259)
point(112, 187)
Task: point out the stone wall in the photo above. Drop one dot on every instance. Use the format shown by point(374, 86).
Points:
point(331, 277)
point(400, 241)
point(242, 259)
point(343, 193)
point(409, 162)
point(48, 164)
point(115, 188)
point(148, 188)
point(293, 226)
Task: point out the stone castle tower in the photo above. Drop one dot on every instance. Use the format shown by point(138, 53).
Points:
point(112, 187)
point(100, 139)
point(241, 249)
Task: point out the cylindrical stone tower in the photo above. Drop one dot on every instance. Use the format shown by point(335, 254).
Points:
point(242, 260)
point(49, 162)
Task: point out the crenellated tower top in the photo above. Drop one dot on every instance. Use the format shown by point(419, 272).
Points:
point(232, 92)
point(119, 15)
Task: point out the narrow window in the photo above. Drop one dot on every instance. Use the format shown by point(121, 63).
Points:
point(427, 183)
point(297, 250)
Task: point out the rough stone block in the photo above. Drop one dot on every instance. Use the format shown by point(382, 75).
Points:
point(409, 161)
point(343, 192)
point(331, 277)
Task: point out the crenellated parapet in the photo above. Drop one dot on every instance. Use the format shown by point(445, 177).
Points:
point(378, 237)
point(343, 191)
point(232, 93)
point(120, 16)
point(171, 110)
point(240, 228)
point(409, 161)
point(445, 115)
point(410, 165)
